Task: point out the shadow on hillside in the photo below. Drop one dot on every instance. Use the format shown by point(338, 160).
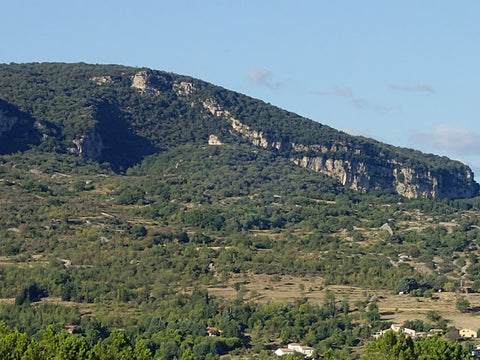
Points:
point(17, 130)
point(123, 148)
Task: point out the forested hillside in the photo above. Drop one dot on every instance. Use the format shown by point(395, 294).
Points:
point(119, 115)
point(124, 221)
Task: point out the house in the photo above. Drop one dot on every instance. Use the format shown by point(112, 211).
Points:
point(293, 348)
point(435, 332)
point(284, 351)
point(396, 327)
point(410, 332)
point(379, 334)
point(305, 350)
point(467, 333)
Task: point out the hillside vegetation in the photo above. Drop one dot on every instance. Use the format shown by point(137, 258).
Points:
point(117, 212)
point(119, 115)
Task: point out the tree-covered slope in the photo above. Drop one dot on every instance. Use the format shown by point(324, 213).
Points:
point(120, 115)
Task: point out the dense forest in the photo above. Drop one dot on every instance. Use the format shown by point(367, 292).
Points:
point(125, 253)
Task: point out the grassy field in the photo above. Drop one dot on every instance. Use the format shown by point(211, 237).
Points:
point(392, 307)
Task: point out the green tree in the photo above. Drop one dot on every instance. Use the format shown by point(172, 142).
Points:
point(395, 346)
point(391, 346)
point(462, 304)
point(406, 285)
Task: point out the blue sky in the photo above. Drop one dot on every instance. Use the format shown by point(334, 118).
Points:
point(400, 71)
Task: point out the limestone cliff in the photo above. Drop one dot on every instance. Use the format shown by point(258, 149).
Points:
point(371, 173)
point(88, 145)
point(408, 182)
point(151, 85)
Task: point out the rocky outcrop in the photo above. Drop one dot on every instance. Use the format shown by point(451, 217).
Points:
point(351, 175)
point(183, 88)
point(257, 138)
point(140, 82)
point(150, 84)
point(88, 146)
point(102, 80)
point(214, 141)
point(361, 175)
point(406, 181)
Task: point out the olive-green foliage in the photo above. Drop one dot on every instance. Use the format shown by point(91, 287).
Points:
point(406, 285)
point(462, 304)
point(62, 345)
point(395, 346)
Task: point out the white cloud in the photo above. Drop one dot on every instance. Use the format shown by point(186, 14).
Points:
point(414, 88)
point(460, 141)
point(263, 77)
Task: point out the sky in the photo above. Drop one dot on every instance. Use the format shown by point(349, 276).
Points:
point(399, 71)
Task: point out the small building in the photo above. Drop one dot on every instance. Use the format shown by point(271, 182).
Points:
point(293, 348)
point(436, 332)
point(410, 332)
point(379, 334)
point(467, 333)
point(396, 327)
point(305, 350)
point(284, 351)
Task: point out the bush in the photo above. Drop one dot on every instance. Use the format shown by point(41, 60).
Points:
point(462, 304)
point(406, 285)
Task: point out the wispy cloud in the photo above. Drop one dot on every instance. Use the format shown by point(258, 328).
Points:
point(339, 91)
point(460, 141)
point(263, 77)
point(414, 88)
point(359, 103)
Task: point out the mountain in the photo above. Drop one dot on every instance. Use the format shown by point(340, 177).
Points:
point(122, 115)
point(158, 216)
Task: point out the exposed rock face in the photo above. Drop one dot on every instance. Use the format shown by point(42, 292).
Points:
point(214, 141)
point(361, 176)
point(353, 176)
point(88, 146)
point(151, 85)
point(140, 82)
point(183, 88)
point(102, 80)
point(257, 138)
point(387, 228)
point(408, 182)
